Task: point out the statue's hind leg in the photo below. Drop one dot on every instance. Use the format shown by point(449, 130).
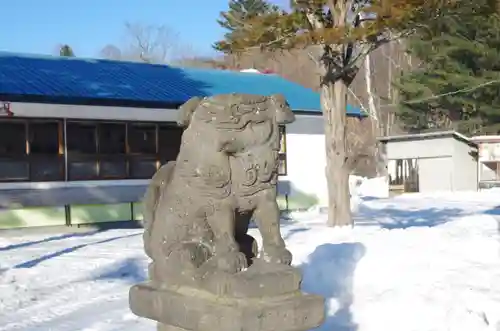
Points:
point(178, 250)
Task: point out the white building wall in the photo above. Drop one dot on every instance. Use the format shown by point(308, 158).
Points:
point(435, 174)
point(423, 148)
point(465, 173)
point(306, 158)
point(487, 174)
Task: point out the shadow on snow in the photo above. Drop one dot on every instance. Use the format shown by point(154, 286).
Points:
point(395, 218)
point(46, 240)
point(329, 272)
point(35, 262)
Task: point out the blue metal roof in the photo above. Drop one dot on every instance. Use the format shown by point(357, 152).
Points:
point(94, 79)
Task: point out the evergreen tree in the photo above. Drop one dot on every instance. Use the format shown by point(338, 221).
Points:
point(458, 83)
point(66, 50)
point(239, 12)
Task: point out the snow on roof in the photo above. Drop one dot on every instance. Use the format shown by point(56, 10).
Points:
point(424, 135)
point(487, 138)
point(252, 70)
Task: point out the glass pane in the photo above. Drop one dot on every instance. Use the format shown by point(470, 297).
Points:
point(81, 138)
point(113, 169)
point(82, 170)
point(47, 169)
point(142, 168)
point(282, 165)
point(112, 138)
point(169, 138)
point(14, 170)
point(44, 137)
point(12, 138)
point(142, 138)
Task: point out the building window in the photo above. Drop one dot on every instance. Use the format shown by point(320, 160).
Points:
point(82, 150)
point(169, 142)
point(143, 149)
point(31, 150)
point(282, 167)
point(14, 163)
point(112, 148)
point(45, 141)
point(34, 149)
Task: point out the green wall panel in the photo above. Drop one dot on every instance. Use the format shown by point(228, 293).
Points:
point(33, 216)
point(138, 209)
point(85, 214)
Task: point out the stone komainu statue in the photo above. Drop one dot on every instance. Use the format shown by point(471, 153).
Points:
point(197, 209)
point(197, 212)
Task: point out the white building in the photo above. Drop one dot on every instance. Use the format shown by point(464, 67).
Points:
point(432, 162)
point(488, 160)
point(80, 138)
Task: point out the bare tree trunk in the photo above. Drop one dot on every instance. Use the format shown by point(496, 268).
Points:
point(377, 123)
point(333, 103)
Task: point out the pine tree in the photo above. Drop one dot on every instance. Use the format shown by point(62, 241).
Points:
point(241, 11)
point(458, 83)
point(338, 35)
point(66, 50)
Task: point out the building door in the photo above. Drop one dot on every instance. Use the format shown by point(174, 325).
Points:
point(435, 174)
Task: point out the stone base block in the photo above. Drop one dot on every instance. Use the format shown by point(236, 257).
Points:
point(261, 279)
point(195, 310)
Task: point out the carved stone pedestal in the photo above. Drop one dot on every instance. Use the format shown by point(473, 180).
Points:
point(175, 310)
point(183, 308)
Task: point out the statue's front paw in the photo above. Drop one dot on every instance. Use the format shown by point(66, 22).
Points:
point(277, 254)
point(232, 262)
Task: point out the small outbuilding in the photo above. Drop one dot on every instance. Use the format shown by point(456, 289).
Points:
point(431, 162)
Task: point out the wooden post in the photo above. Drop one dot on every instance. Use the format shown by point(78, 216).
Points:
point(60, 147)
point(98, 159)
point(157, 146)
point(65, 144)
point(28, 147)
point(27, 137)
point(127, 152)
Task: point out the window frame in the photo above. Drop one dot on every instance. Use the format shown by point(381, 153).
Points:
point(30, 158)
point(282, 153)
point(74, 157)
point(67, 157)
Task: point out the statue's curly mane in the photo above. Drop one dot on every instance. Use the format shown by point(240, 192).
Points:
point(233, 112)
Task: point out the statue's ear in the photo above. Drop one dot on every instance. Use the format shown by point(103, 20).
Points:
point(186, 111)
point(284, 114)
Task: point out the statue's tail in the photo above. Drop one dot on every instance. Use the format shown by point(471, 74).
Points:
point(159, 183)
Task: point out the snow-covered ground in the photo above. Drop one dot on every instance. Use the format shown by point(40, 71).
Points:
point(412, 263)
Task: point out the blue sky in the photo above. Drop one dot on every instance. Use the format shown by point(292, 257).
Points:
point(38, 26)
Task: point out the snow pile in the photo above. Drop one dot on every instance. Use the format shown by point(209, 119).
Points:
point(360, 187)
point(377, 187)
point(411, 263)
